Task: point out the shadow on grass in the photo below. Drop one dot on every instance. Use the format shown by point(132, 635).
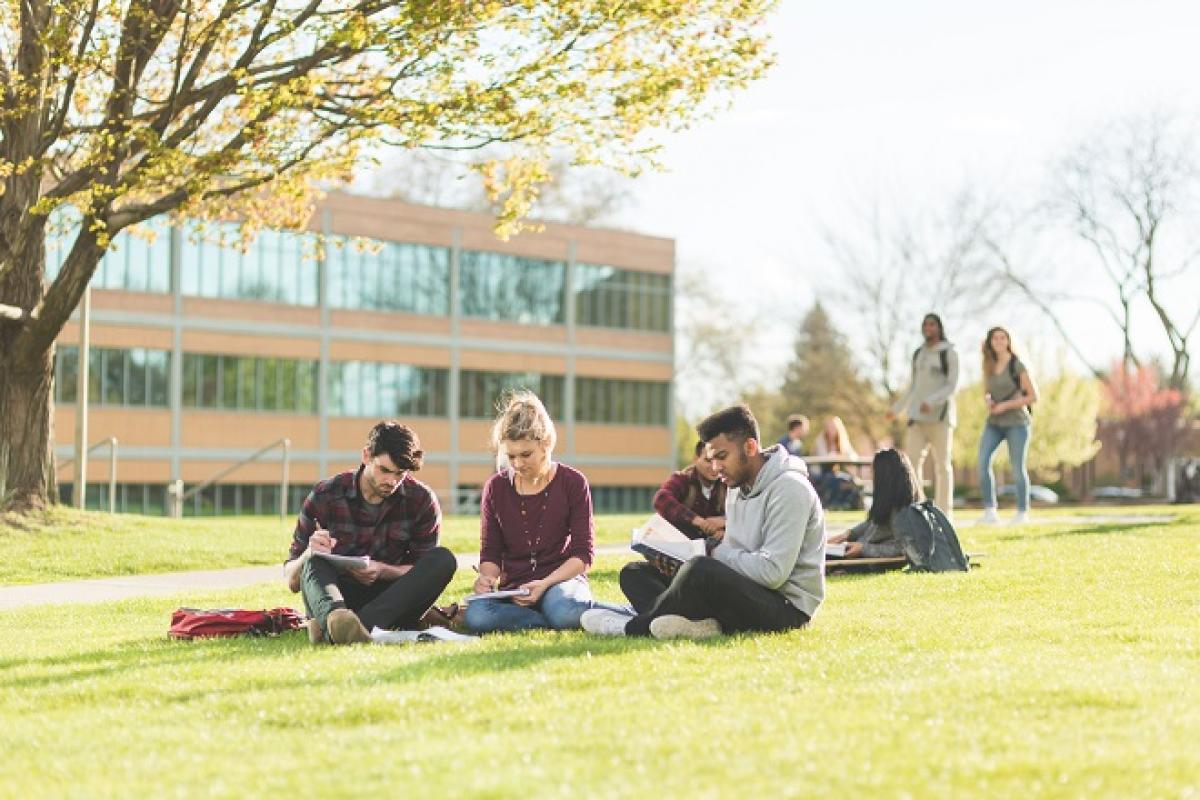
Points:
point(142, 654)
point(1094, 530)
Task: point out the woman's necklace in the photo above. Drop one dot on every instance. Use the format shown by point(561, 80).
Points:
point(533, 519)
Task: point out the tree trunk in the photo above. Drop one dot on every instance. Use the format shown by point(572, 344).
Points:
point(26, 437)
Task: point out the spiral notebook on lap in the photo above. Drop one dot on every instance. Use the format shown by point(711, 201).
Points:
point(496, 595)
point(659, 538)
point(344, 563)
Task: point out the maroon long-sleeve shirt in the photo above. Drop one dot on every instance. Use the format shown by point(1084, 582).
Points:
point(530, 536)
point(681, 499)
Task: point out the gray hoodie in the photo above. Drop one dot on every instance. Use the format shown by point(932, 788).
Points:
point(775, 532)
point(930, 385)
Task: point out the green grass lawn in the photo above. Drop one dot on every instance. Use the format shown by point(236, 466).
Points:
point(1067, 666)
point(65, 544)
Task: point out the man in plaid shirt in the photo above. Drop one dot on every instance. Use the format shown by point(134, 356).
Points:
point(381, 511)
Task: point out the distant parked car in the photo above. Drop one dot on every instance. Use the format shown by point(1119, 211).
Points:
point(1042, 494)
point(1116, 492)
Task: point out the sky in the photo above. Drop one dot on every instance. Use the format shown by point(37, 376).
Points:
point(902, 104)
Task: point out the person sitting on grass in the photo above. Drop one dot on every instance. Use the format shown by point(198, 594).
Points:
point(379, 510)
point(767, 573)
point(536, 529)
point(896, 487)
point(692, 500)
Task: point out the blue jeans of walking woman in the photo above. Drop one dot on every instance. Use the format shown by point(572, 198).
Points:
point(560, 607)
point(1017, 437)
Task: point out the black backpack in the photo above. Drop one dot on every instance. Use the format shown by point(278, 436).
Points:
point(928, 539)
point(1016, 378)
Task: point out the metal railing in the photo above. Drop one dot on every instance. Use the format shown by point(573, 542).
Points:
point(178, 496)
point(111, 442)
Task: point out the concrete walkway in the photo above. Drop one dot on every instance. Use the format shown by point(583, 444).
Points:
point(99, 590)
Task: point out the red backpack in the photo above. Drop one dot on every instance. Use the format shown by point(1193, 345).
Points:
point(196, 623)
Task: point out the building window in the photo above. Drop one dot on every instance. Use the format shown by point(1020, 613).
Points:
point(513, 288)
point(480, 393)
point(249, 383)
point(373, 389)
point(623, 499)
point(608, 297)
point(622, 402)
point(389, 276)
point(137, 261)
point(277, 266)
point(134, 377)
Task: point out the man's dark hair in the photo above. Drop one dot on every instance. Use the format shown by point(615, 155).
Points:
point(937, 321)
point(736, 422)
point(895, 485)
point(699, 449)
point(398, 441)
point(796, 421)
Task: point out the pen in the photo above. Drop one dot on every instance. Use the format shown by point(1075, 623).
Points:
point(495, 580)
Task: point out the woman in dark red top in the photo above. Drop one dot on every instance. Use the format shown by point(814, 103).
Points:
point(536, 529)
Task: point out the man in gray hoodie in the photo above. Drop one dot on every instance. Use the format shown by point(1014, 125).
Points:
point(929, 405)
point(767, 573)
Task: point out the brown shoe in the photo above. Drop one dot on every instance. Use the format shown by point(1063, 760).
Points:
point(449, 617)
point(345, 627)
point(316, 634)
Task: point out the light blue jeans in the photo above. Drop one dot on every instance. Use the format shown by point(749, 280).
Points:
point(560, 608)
point(1017, 437)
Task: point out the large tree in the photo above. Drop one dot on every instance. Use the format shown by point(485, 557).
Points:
point(823, 380)
point(124, 110)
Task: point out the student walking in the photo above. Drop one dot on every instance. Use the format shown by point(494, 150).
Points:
point(1009, 391)
point(928, 402)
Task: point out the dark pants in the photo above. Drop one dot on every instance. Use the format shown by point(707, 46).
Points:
point(705, 588)
point(386, 604)
point(642, 583)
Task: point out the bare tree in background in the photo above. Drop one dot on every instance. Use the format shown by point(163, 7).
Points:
point(575, 195)
point(896, 268)
point(1129, 193)
point(712, 349)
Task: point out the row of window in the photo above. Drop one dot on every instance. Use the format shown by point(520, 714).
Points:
point(222, 499)
point(135, 377)
point(249, 383)
point(141, 376)
point(282, 267)
point(605, 499)
point(234, 499)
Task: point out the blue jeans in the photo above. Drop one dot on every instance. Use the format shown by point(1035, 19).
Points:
point(560, 608)
point(1017, 437)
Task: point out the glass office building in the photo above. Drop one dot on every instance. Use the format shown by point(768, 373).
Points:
point(205, 349)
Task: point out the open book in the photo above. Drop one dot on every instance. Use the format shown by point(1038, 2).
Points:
point(835, 550)
point(344, 563)
point(434, 634)
point(660, 538)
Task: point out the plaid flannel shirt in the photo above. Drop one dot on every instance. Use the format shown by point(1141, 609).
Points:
point(400, 532)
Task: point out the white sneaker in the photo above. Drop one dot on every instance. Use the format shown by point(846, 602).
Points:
point(604, 622)
point(673, 626)
point(1022, 518)
point(990, 517)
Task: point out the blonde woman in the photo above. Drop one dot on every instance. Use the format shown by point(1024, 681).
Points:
point(1009, 391)
point(536, 529)
point(836, 487)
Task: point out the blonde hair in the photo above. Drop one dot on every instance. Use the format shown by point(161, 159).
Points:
point(842, 446)
point(523, 417)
